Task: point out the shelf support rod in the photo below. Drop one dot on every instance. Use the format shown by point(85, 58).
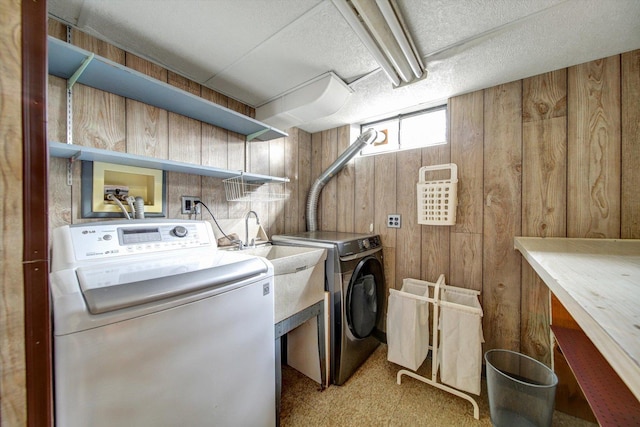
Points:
point(257, 134)
point(74, 78)
point(69, 118)
point(72, 159)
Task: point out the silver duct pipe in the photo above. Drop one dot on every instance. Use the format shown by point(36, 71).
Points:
point(365, 138)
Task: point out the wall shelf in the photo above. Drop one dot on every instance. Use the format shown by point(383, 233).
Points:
point(65, 60)
point(79, 152)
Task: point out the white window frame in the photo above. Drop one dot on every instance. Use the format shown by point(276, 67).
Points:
point(397, 145)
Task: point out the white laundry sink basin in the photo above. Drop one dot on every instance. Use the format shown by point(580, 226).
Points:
point(299, 277)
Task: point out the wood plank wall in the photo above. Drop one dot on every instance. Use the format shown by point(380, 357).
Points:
point(13, 398)
point(556, 154)
point(108, 121)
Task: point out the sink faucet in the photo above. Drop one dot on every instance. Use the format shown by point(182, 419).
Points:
point(246, 228)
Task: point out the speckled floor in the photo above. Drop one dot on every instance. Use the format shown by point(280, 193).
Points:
point(371, 397)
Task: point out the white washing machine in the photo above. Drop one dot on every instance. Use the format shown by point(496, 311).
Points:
point(355, 281)
point(154, 326)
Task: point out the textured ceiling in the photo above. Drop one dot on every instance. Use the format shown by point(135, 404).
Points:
point(256, 50)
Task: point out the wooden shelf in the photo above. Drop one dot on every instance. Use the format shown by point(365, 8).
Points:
point(100, 73)
point(78, 152)
point(610, 399)
point(598, 283)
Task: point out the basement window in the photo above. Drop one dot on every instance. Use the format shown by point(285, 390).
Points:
point(406, 131)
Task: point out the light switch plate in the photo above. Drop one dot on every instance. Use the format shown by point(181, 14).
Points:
point(393, 221)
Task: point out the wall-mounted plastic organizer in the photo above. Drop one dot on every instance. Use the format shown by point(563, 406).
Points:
point(437, 199)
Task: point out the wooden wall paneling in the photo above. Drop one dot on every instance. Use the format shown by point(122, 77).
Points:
point(316, 170)
point(56, 109)
point(502, 215)
point(435, 248)
point(56, 29)
point(276, 168)
point(147, 127)
point(364, 216)
point(593, 197)
point(345, 183)
point(329, 219)
point(465, 262)
point(59, 192)
point(259, 163)
point(98, 116)
point(13, 381)
point(304, 178)
point(241, 108)
point(185, 137)
point(408, 241)
point(630, 196)
point(237, 160)
point(544, 196)
point(466, 135)
point(384, 203)
point(544, 179)
point(215, 152)
point(292, 171)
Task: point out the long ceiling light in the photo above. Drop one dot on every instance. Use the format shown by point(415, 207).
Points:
point(381, 29)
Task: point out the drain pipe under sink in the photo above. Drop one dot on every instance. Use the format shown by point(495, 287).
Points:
point(364, 139)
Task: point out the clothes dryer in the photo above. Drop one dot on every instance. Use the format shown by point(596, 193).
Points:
point(354, 278)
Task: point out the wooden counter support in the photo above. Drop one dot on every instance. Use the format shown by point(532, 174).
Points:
point(597, 281)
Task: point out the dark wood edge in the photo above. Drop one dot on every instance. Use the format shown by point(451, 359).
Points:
point(38, 346)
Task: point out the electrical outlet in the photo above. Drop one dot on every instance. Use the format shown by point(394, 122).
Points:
point(393, 221)
point(189, 204)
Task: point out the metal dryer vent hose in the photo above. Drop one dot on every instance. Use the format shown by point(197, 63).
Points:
point(364, 139)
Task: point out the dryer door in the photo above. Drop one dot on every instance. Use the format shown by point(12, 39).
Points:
point(364, 299)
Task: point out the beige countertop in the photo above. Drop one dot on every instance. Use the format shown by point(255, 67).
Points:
point(598, 282)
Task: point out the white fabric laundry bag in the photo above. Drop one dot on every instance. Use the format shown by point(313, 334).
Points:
point(408, 324)
point(461, 339)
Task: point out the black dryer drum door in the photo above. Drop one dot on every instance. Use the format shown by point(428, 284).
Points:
point(363, 300)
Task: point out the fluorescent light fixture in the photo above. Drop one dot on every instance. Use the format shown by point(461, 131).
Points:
point(381, 29)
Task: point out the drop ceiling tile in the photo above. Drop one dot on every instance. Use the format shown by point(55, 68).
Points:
point(198, 38)
point(312, 46)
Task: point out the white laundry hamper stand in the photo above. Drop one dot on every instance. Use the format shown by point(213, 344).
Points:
point(438, 302)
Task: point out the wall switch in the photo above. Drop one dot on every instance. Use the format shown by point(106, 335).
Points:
point(393, 221)
point(189, 205)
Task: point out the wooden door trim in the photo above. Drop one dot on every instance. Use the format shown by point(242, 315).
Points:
point(37, 317)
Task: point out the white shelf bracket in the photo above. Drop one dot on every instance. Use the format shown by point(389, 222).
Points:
point(74, 78)
point(257, 134)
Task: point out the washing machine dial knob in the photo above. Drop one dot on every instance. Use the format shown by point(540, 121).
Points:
point(180, 231)
point(366, 244)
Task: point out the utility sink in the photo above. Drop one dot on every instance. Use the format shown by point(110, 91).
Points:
point(299, 277)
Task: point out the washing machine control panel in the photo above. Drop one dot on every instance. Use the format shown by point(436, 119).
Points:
point(100, 240)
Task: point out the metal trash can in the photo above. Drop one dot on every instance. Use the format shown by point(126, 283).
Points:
point(521, 390)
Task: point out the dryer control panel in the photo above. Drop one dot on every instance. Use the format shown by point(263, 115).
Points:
point(359, 245)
